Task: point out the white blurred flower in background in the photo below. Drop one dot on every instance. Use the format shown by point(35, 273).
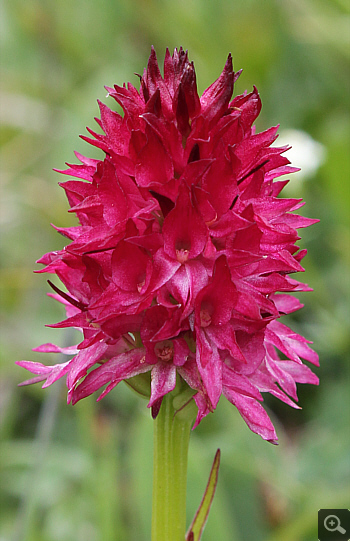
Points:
point(305, 153)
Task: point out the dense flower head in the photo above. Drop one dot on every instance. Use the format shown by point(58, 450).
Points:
point(179, 267)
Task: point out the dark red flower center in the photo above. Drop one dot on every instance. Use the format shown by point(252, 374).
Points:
point(182, 249)
point(164, 350)
point(141, 280)
point(205, 314)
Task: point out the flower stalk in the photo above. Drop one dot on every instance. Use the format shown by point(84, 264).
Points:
point(171, 440)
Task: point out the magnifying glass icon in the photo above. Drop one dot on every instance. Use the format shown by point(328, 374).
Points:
point(332, 524)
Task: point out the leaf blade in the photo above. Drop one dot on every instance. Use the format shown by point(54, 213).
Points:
point(199, 521)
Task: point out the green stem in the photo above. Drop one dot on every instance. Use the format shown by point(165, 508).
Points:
point(171, 440)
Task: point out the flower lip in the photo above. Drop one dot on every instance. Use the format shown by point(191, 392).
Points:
point(184, 229)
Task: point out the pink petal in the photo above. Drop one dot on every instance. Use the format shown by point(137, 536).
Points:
point(203, 409)
point(210, 368)
point(254, 415)
point(216, 97)
point(52, 348)
point(163, 381)
point(123, 366)
point(49, 373)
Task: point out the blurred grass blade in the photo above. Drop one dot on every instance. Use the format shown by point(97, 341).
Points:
point(200, 519)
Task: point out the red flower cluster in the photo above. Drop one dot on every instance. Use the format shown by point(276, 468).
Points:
point(182, 248)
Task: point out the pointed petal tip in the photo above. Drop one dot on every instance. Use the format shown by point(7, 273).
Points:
point(229, 64)
point(153, 55)
point(236, 75)
point(156, 407)
point(274, 442)
point(31, 381)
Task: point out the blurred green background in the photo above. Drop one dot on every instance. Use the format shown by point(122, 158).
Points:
point(84, 473)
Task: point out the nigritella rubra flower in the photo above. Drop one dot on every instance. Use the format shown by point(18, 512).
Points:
point(179, 270)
